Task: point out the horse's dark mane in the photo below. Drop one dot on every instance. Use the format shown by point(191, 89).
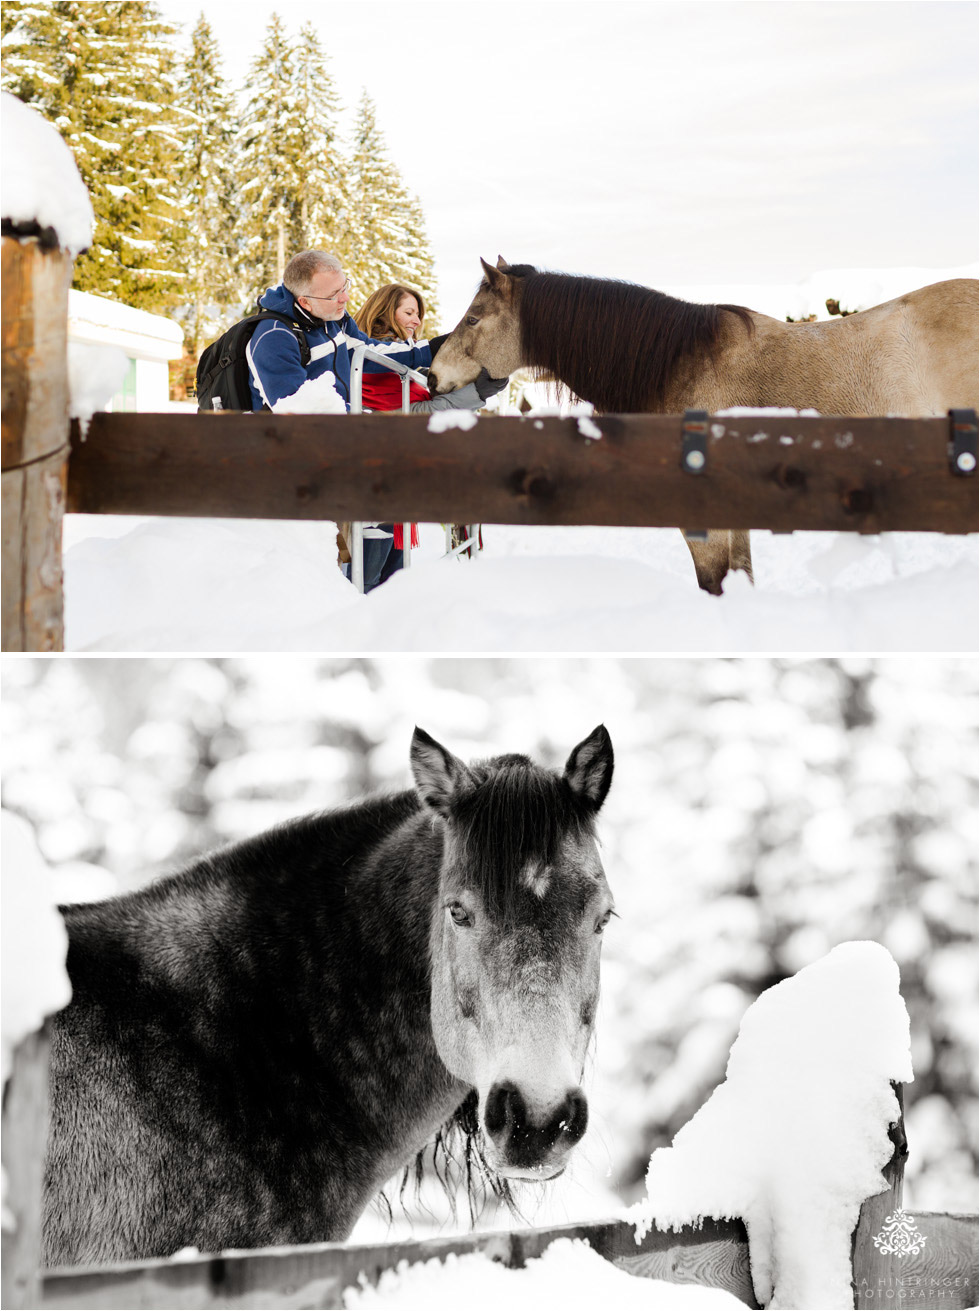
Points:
point(516, 814)
point(625, 341)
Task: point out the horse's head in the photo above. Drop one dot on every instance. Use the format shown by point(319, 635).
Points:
point(515, 940)
point(488, 336)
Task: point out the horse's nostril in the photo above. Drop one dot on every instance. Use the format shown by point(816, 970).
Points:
point(575, 1117)
point(433, 382)
point(529, 1139)
point(505, 1109)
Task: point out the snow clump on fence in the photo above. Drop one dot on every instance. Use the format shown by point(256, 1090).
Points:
point(315, 396)
point(443, 420)
point(796, 1137)
point(40, 181)
point(95, 374)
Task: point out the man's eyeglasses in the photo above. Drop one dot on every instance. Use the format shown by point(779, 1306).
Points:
point(341, 292)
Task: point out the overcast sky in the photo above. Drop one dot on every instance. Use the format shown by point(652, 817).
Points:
point(697, 142)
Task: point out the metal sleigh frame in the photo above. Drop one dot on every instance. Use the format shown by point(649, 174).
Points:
point(361, 353)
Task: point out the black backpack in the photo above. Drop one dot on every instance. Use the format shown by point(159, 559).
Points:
point(222, 370)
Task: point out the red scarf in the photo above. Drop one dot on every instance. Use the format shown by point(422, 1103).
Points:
point(383, 391)
point(400, 537)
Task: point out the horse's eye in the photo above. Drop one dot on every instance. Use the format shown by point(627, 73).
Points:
point(459, 915)
point(601, 923)
point(472, 320)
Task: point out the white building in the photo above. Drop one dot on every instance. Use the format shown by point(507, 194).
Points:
point(149, 342)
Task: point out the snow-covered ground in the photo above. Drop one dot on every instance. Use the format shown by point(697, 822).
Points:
point(246, 585)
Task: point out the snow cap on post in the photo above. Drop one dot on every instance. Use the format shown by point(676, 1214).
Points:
point(41, 190)
point(796, 1137)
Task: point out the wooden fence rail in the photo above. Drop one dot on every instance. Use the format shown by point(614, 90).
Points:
point(856, 475)
point(943, 1274)
point(766, 471)
point(316, 1275)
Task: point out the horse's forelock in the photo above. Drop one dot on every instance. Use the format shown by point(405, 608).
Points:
point(517, 814)
point(626, 340)
point(511, 271)
point(519, 270)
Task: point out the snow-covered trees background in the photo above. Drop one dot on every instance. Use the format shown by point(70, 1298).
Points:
point(203, 190)
point(106, 75)
point(762, 811)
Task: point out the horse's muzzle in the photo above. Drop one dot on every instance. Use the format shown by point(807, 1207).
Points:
point(433, 382)
point(533, 1146)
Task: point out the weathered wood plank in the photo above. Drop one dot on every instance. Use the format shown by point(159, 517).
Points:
point(715, 1256)
point(25, 1126)
point(946, 1270)
point(34, 442)
point(34, 381)
point(33, 600)
point(861, 475)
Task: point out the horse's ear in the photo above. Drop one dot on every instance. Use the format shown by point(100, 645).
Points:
point(588, 770)
point(493, 275)
point(502, 264)
point(437, 772)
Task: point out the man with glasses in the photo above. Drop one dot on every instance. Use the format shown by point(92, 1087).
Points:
point(314, 293)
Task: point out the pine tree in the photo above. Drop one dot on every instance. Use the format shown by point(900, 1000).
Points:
point(104, 74)
point(385, 238)
point(208, 233)
point(271, 148)
point(419, 261)
point(322, 201)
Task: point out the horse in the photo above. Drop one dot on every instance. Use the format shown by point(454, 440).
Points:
point(630, 349)
point(256, 1044)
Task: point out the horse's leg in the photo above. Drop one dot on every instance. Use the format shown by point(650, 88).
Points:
point(741, 551)
point(724, 549)
point(711, 558)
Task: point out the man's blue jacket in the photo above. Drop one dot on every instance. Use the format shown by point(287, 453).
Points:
point(274, 364)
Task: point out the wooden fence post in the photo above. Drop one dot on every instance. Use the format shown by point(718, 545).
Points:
point(25, 1129)
point(36, 278)
point(874, 1271)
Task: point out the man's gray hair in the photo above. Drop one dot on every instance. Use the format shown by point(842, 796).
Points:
point(303, 268)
